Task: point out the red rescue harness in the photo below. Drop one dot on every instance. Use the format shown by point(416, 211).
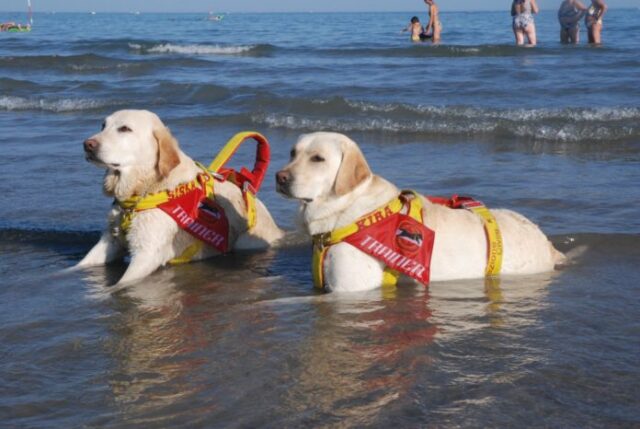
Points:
point(192, 205)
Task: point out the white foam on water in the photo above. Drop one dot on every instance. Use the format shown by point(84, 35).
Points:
point(63, 105)
point(574, 114)
point(372, 124)
point(170, 48)
point(562, 126)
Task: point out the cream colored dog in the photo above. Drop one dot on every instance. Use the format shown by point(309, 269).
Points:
point(142, 157)
point(332, 179)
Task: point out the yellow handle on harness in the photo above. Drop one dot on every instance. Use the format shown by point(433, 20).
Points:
point(230, 148)
point(248, 188)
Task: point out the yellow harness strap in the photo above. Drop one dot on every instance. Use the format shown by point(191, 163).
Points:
point(494, 239)
point(322, 242)
point(134, 204)
point(250, 203)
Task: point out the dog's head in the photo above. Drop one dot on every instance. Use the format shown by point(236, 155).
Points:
point(322, 165)
point(133, 139)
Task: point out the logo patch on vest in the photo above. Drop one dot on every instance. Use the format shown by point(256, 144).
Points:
point(201, 217)
point(409, 237)
point(401, 242)
point(209, 209)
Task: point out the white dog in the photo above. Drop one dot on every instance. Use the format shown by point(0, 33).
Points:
point(142, 158)
point(331, 178)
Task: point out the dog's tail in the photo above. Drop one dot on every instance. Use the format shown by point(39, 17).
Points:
point(563, 259)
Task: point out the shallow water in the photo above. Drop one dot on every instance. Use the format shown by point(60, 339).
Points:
point(243, 340)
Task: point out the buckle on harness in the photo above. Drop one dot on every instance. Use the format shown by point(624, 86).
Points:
point(407, 196)
point(320, 241)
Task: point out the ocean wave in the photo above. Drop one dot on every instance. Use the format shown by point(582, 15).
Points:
point(471, 127)
point(194, 94)
point(520, 114)
point(101, 67)
point(87, 64)
point(564, 125)
point(429, 50)
point(373, 124)
point(8, 84)
point(63, 105)
point(217, 49)
point(72, 63)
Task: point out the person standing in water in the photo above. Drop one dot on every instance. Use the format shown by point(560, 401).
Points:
point(569, 16)
point(523, 24)
point(593, 20)
point(434, 26)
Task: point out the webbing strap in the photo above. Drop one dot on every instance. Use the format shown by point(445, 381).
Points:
point(494, 237)
point(492, 230)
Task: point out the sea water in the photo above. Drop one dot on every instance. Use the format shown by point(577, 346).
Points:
point(242, 340)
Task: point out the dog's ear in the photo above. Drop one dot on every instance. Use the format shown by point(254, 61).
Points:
point(353, 170)
point(168, 157)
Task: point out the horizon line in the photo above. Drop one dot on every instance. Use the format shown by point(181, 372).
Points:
point(266, 12)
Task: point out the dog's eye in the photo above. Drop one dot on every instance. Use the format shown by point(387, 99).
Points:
point(104, 124)
point(317, 158)
point(124, 129)
point(292, 154)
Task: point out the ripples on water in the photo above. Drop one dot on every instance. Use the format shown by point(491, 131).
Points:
point(243, 340)
point(239, 342)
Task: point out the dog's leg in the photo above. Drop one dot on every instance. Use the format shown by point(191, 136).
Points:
point(106, 250)
point(151, 248)
point(347, 269)
point(142, 264)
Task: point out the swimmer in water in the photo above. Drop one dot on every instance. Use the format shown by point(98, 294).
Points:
point(416, 29)
point(434, 26)
point(523, 24)
point(569, 16)
point(593, 20)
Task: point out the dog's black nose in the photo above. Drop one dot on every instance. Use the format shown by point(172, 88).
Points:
point(283, 177)
point(90, 145)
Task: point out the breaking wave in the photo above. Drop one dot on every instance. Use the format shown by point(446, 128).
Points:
point(217, 49)
point(9, 103)
point(85, 63)
point(565, 125)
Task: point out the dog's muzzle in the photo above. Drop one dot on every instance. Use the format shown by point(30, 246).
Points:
point(283, 182)
point(91, 145)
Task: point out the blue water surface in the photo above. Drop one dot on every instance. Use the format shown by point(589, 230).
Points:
point(243, 341)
